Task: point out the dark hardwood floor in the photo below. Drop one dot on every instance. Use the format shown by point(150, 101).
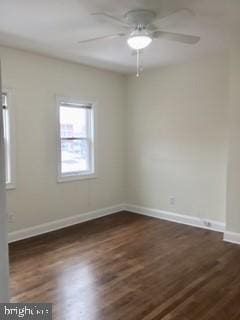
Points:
point(129, 267)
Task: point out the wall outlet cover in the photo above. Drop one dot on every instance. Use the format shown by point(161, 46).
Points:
point(10, 217)
point(207, 223)
point(172, 200)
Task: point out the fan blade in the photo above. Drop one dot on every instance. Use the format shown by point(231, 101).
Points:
point(111, 36)
point(179, 37)
point(170, 17)
point(176, 12)
point(113, 18)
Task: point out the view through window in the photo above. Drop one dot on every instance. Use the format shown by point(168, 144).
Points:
point(6, 132)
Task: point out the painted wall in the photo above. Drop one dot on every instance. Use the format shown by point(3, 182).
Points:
point(233, 182)
point(177, 138)
point(162, 136)
point(4, 272)
point(36, 80)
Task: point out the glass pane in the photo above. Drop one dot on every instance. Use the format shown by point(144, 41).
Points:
point(73, 122)
point(75, 156)
point(6, 134)
point(4, 99)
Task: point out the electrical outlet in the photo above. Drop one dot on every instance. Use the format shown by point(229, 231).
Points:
point(172, 201)
point(10, 217)
point(207, 223)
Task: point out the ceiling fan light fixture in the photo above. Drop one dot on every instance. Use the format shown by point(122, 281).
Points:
point(139, 40)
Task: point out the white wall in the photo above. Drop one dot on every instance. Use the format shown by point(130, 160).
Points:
point(177, 138)
point(4, 273)
point(233, 182)
point(160, 136)
point(36, 80)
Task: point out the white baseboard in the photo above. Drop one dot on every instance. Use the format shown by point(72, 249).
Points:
point(160, 214)
point(232, 237)
point(179, 218)
point(62, 223)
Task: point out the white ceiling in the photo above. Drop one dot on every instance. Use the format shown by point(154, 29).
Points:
point(54, 27)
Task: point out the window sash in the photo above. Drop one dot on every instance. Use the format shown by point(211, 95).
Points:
point(7, 137)
point(89, 138)
point(74, 138)
point(89, 158)
point(88, 118)
point(4, 100)
point(7, 149)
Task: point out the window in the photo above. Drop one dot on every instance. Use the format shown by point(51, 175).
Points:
point(8, 131)
point(76, 140)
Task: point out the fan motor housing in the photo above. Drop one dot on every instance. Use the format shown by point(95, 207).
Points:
point(140, 17)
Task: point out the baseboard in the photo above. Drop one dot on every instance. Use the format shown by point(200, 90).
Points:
point(160, 214)
point(179, 218)
point(62, 223)
point(231, 237)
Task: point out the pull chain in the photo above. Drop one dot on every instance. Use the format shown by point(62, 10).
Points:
point(138, 64)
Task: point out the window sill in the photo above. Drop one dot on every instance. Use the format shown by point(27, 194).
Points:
point(79, 177)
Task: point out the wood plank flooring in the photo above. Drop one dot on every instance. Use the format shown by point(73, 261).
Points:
point(129, 267)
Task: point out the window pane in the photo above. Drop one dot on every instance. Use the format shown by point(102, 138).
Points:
point(6, 134)
point(73, 122)
point(4, 99)
point(76, 139)
point(75, 155)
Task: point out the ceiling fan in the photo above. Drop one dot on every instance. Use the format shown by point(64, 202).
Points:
point(141, 31)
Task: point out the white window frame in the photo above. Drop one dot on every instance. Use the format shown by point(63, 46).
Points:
point(78, 175)
point(12, 156)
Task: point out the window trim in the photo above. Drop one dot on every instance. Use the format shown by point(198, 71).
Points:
point(10, 99)
point(77, 176)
